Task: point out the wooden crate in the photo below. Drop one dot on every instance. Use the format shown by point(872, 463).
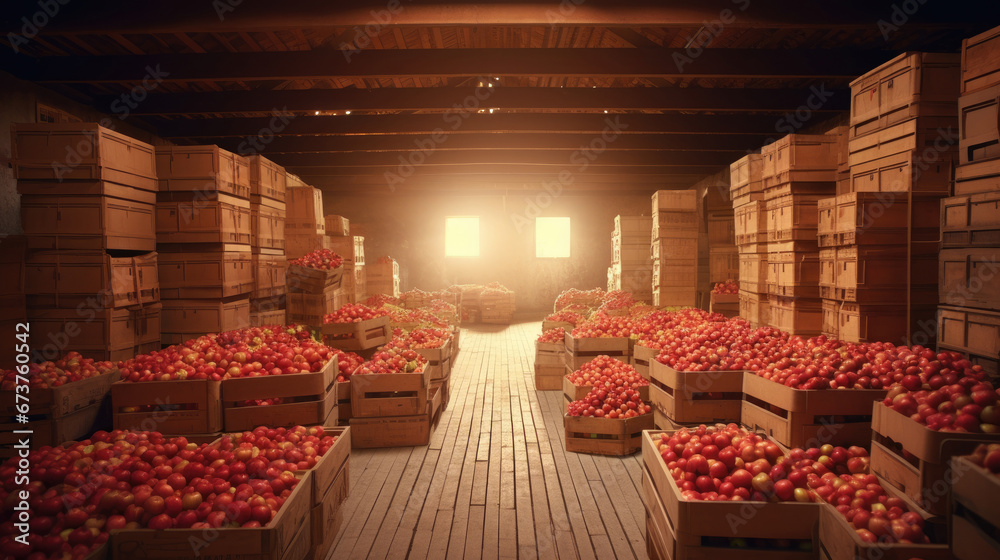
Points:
point(65, 278)
point(968, 277)
point(642, 356)
point(181, 406)
point(304, 210)
point(922, 135)
point(311, 397)
point(975, 331)
point(696, 396)
point(791, 272)
point(839, 540)
point(549, 325)
point(675, 297)
point(689, 530)
point(298, 244)
point(350, 248)
point(971, 220)
point(721, 228)
point(605, 436)
point(861, 322)
point(750, 223)
point(800, 316)
point(912, 84)
point(63, 400)
point(438, 359)
point(573, 392)
point(327, 516)
point(69, 222)
point(826, 222)
point(755, 308)
point(102, 334)
point(549, 377)
point(205, 275)
point(828, 267)
point(102, 153)
point(981, 61)
point(979, 177)
point(549, 353)
point(871, 275)
point(633, 226)
point(337, 226)
point(672, 274)
point(831, 318)
point(269, 273)
point(793, 218)
point(898, 173)
point(267, 224)
point(310, 309)
point(204, 169)
point(183, 217)
point(726, 304)
point(885, 218)
point(979, 125)
point(582, 350)
point(675, 201)
point(975, 520)
point(753, 272)
point(394, 431)
point(267, 317)
point(896, 437)
point(746, 176)
point(723, 264)
point(678, 225)
point(800, 158)
point(807, 418)
point(184, 319)
point(362, 335)
point(286, 537)
point(389, 394)
point(344, 411)
point(47, 430)
point(311, 280)
point(267, 179)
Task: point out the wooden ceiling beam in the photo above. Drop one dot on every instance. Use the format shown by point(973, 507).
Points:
point(127, 16)
point(456, 100)
point(501, 170)
point(569, 159)
point(649, 62)
point(426, 124)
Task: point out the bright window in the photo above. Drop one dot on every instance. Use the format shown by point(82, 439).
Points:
point(461, 236)
point(551, 237)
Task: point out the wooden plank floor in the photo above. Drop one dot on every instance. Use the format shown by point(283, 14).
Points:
point(495, 480)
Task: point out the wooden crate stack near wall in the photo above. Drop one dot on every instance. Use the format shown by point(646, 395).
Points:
point(90, 232)
point(746, 186)
point(631, 264)
point(968, 278)
point(880, 237)
point(203, 233)
point(268, 183)
point(675, 247)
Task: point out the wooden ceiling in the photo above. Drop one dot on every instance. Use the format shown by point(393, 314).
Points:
point(477, 95)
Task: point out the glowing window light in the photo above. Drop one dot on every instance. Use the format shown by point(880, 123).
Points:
point(552, 239)
point(461, 236)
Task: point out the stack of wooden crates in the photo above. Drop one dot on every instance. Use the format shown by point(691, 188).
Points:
point(879, 239)
point(723, 258)
point(268, 183)
point(969, 273)
point(203, 237)
point(382, 277)
point(675, 235)
point(631, 263)
point(90, 278)
point(352, 249)
point(798, 170)
point(746, 185)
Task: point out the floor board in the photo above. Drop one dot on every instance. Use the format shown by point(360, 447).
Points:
point(495, 480)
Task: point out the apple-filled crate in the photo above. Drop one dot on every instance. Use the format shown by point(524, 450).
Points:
point(580, 350)
point(679, 527)
point(642, 357)
point(974, 517)
point(574, 387)
point(176, 406)
point(687, 397)
point(397, 431)
point(794, 417)
point(312, 282)
point(916, 459)
point(57, 413)
point(361, 335)
point(306, 398)
point(609, 418)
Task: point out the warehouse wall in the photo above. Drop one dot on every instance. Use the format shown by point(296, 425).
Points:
point(18, 104)
point(410, 228)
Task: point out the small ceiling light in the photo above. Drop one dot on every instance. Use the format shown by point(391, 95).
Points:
point(490, 85)
point(491, 111)
point(480, 84)
point(317, 112)
point(347, 112)
point(605, 111)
